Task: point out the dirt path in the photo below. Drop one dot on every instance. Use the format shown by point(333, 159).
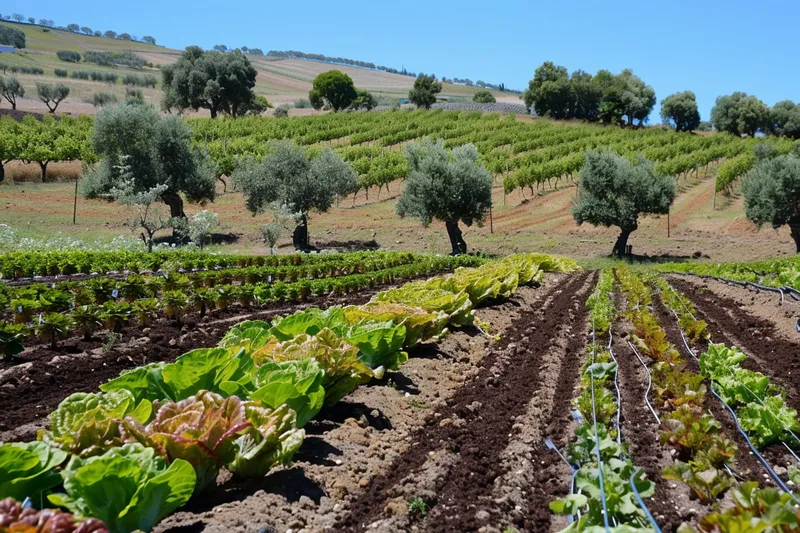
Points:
point(768, 350)
point(464, 449)
point(355, 445)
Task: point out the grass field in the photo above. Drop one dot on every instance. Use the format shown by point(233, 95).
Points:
point(280, 80)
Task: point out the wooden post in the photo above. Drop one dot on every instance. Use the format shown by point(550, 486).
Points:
point(714, 201)
point(491, 221)
point(667, 223)
point(75, 203)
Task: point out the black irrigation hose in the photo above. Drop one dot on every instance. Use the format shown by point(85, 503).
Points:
point(795, 294)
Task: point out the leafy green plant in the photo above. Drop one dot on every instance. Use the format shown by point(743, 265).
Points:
point(87, 320)
point(88, 424)
point(20, 518)
point(29, 469)
point(271, 439)
point(11, 337)
point(297, 384)
point(690, 431)
point(52, 327)
point(129, 488)
point(754, 509)
point(200, 430)
point(146, 310)
point(116, 315)
point(417, 507)
point(174, 304)
point(706, 482)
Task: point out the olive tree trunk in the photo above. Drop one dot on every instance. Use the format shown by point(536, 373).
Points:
point(175, 203)
point(456, 237)
point(794, 225)
point(622, 242)
point(300, 235)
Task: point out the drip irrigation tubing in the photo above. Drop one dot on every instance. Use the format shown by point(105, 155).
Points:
point(597, 442)
point(616, 387)
point(649, 384)
point(641, 502)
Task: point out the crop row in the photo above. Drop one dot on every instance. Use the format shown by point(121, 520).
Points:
point(777, 273)
point(113, 305)
point(25, 264)
point(60, 296)
point(703, 452)
point(609, 486)
point(158, 434)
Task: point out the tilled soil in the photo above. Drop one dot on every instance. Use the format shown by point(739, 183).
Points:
point(29, 391)
point(355, 446)
point(769, 351)
point(460, 458)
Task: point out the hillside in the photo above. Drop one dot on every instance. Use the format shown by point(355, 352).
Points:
point(280, 80)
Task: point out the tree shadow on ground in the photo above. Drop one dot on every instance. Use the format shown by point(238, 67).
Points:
point(332, 417)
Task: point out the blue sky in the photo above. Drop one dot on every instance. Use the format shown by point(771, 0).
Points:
point(711, 47)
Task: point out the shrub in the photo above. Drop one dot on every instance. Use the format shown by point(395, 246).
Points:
point(12, 37)
point(27, 70)
point(103, 99)
point(282, 111)
point(61, 73)
point(79, 75)
point(302, 103)
point(111, 59)
point(108, 77)
point(484, 97)
point(133, 96)
point(69, 56)
point(139, 81)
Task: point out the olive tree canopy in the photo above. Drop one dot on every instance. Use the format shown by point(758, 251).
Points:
point(154, 151)
point(449, 186)
point(221, 83)
point(772, 194)
point(424, 92)
point(614, 192)
point(286, 180)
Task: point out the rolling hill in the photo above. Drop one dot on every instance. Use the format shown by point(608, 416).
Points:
point(280, 80)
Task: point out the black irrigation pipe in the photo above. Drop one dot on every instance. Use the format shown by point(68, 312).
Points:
point(794, 293)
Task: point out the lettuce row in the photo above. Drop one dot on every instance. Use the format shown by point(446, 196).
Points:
point(760, 404)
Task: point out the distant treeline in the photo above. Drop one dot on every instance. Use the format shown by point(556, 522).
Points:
point(322, 58)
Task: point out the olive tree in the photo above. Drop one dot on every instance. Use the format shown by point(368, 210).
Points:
point(772, 194)
point(221, 83)
point(10, 89)
point(680, 110)
point(334, 89)
point(200, 226)
point(286, 179)
point(144, 215)
point(424, 92)
point(156, 150)
point(451, 186)
point(785, 119)
point(615, 192)
point(51, 95)
point(484, 97)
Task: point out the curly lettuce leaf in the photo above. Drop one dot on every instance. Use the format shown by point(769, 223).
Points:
point(307, 322)
point(199, 430)
point(295, 383)
point(249, 335)
point(769, 422)
point(421, 326)
point(129, 488)
point(89, 423)
point(271, 439)
point(457, 306)
point(339, 360)
point(29, 469)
